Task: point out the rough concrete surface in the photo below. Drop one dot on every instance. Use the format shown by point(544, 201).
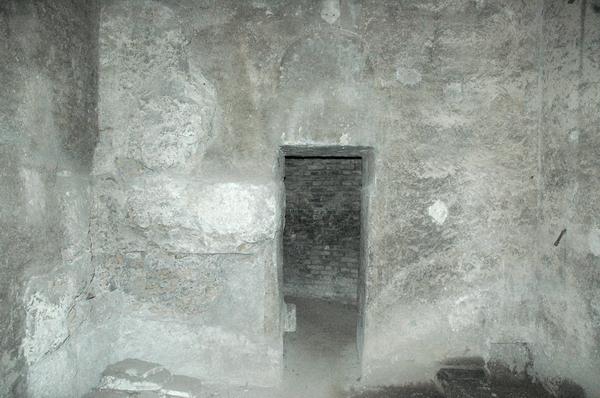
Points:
point(142, 200)
point(48, 130)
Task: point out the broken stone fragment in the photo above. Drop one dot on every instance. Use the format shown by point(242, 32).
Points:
point(125, 383)
point(289, 320)
point(465, 377)
point(141, 379)
point(133, 367)
point(182, 387)
point(148, 394)
point(123, 394)
point(134, 375)
point(106, 394)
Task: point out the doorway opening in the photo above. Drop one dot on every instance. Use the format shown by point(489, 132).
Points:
point(323, 265)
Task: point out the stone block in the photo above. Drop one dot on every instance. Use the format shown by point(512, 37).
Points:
point(134, 375)
point(510, 361)
point(182, 387)
point(107, 394)
point(183, 215)
point(289, 320)
point(167, 121)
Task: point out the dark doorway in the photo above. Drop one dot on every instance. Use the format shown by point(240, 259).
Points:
point(321, 239)
point(323, 267)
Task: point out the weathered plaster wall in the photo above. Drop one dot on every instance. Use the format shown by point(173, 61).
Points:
point(196, 96)
point(321, 238)
point(454, 220)
point(47, 133)
point(188, 256)
point(568, 317)
point(483, 152)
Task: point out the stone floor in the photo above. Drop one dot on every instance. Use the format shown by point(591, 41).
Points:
point(321, 361)
point(428, 390)
point(461, 390)
point(320, 357)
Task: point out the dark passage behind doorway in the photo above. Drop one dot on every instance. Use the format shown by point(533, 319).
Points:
point(321, 245)
point(321, 239)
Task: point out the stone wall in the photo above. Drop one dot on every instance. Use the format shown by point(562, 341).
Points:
point(48, 130)
point(321, 239)
point(568, 270)
point(482, 154)
point(185, 257)
point(448, 95)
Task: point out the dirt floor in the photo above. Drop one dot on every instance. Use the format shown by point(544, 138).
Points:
point(321, 361)
point(320, 358)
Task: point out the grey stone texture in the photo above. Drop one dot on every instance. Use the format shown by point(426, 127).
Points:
point(187, 256)
point(568, 274)
point(321, 238)
point(154, 230)
point(48, 131)
point(136, 378)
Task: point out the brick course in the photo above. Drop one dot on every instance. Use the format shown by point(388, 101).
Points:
point(322, 230)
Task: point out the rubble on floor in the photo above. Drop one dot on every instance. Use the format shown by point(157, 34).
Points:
point(464, 378)
point(141, 379)
point(133, 378)
point(473, 378)
point(424, 390)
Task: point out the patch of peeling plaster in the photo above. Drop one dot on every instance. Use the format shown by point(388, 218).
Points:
point(438, 211)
